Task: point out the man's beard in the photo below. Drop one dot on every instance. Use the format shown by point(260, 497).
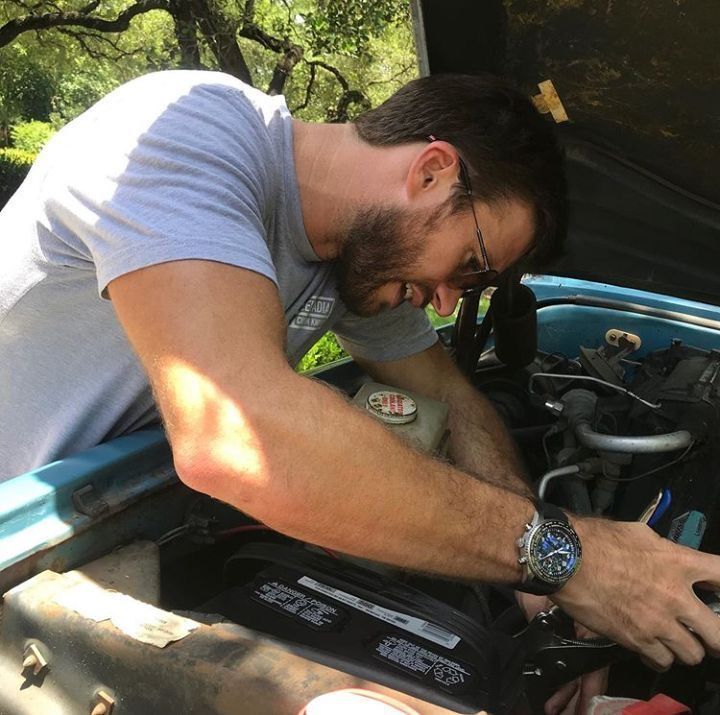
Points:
point(381, 246)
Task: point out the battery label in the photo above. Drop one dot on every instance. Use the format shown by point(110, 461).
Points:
point(417, 626)
point(291, 601)
point(414, 658)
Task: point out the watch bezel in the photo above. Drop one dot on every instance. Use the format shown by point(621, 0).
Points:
point(531, 550)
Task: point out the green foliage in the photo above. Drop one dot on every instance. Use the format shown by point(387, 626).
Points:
point(324, 351)
point(327, 349)
point(76, 91)
point(32, 136)
point(26, 86)
point(374, 56)
point(55, 74)
point(26, 89)
point(17, 157)
point(348, 27)
point(83, 79)
point(14, 166)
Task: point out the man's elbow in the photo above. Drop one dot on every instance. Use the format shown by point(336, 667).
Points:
point(247, 476)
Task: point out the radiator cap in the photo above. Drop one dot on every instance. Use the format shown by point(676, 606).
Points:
point(392, 407)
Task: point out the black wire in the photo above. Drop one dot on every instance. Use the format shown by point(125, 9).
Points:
point(652, 471)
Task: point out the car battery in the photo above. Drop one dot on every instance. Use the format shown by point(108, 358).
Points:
point(369, 625)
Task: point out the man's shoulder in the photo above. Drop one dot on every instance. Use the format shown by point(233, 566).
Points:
point(173, 119)
point(199, 87)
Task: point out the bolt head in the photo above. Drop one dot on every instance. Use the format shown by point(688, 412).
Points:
point(103, 704)
point(33, 660)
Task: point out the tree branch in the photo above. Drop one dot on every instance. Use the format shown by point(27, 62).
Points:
point(184, 25)
point(82, 37)
point(253, 32)
point(10, 30)
point(334, 71)
point(402, 72)
point(308, 89)
point(222, 38)
point(249, 13)
point(284, 68)
point(348, 96)
point(341, 112)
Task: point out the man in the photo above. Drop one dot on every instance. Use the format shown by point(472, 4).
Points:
point(217, 226)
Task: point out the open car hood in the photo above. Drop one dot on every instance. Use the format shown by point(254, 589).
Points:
point(641, 85)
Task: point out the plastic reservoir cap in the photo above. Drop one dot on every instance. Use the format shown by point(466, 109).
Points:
point(356, 702)
point(392, 407)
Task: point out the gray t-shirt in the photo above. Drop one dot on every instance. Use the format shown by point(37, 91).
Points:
point(171, 166)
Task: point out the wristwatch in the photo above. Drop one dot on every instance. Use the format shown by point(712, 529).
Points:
point(550, 551)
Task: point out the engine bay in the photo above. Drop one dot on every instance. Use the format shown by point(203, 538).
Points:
point(630, 429)
point(602, 433)
point(610, 427)
point(605, 433)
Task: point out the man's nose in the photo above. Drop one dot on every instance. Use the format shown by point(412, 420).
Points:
point(445, 299)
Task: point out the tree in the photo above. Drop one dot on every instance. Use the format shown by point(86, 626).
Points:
point(323, 54)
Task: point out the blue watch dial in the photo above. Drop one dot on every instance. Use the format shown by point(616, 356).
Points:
point(553, 552)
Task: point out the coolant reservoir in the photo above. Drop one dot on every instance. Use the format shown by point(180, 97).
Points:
point(420, 420)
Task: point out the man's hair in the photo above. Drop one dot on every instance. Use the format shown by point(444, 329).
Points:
point(509, 149)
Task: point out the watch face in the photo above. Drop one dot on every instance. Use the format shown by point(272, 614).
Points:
point(553, 552)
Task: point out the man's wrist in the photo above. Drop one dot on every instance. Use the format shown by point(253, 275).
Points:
point(550, 551)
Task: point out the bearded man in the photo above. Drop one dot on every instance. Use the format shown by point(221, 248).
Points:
point(176, 249)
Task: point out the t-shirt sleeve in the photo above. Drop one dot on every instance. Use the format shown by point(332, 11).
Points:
point(391, 335)
point(169, 182)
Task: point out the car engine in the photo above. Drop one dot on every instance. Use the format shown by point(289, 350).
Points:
point(605, 433)
point(612, 429)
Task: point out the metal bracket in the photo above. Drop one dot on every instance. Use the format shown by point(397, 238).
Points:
point(621, 339)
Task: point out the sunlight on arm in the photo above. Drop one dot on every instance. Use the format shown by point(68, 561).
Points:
point(201, 408)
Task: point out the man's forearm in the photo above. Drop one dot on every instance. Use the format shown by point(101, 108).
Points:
point(480, 443)
point(247, 429)
point(335, 477)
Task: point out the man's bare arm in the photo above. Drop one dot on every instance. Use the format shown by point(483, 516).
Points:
point(247, 429)
point(292, 453)
point(479, 442)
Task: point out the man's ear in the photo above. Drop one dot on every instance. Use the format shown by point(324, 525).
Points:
point(434, 169)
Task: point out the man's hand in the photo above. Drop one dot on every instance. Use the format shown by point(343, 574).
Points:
point(636, 588)
point(574, 697)
point(479, 441)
